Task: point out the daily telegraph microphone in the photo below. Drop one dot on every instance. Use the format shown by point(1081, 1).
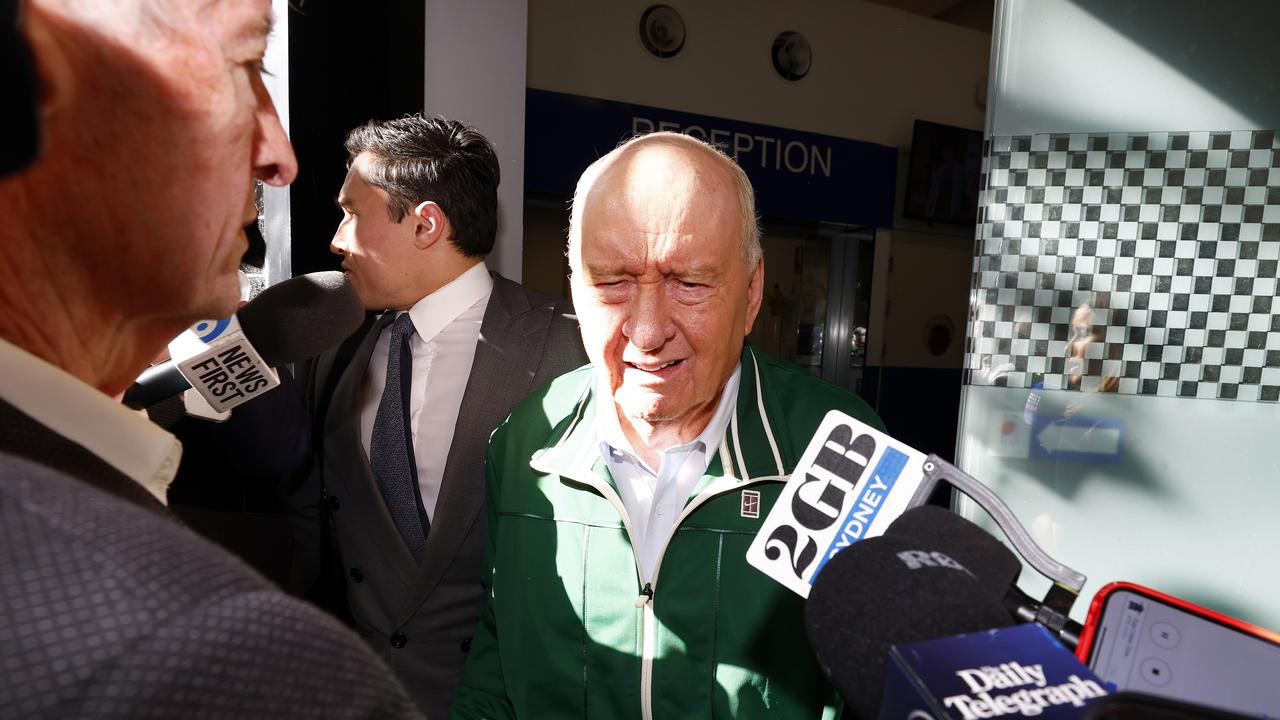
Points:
point(229, 361)
point(879, 619)
point(1128, 705)
point(1004, 673)
point(884, 591)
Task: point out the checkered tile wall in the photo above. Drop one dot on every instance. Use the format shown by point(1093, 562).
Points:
point(1143, 264)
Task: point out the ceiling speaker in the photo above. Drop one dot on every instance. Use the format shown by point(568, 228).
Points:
point(792, 56)
point(662, 30)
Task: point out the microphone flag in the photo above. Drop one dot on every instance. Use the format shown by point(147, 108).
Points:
point(216, 358)
point(851, 482)
point(1012, 672)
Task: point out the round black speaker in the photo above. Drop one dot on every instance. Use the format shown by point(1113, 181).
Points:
point(792, 56)
point(662, 30)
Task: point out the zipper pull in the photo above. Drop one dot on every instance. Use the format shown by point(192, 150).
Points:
point(646, 595)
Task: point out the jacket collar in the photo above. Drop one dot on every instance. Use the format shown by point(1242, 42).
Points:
point(749, 451)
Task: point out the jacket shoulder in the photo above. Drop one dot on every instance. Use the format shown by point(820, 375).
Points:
point(798, 395)
point(131, 572)
point(535, 298)
point(556, 400)
point(561, 343)
point(532, 419)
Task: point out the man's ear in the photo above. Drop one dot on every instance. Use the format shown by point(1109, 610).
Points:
point(430, 225)
point(755, 293)
point(54, 75)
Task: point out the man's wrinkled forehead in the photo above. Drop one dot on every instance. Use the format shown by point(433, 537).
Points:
point(255, 18)
point(173, 22)
point(655, 162)
point(238, 21)
point(657, 181)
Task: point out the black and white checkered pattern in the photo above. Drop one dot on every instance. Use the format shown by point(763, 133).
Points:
point(1173, 239)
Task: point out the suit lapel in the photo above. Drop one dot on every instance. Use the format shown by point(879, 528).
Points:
point(507, 355)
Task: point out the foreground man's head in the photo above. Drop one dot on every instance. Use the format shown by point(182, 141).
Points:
point(130, 224)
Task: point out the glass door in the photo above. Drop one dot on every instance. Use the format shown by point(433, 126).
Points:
point(817, 299)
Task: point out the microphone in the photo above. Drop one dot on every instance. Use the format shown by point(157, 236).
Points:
point(1128, 705)
point(853, 481)
point(881, 617)
point(884, 591)
point(230, 359)
point(849, 484)
point(992, 563)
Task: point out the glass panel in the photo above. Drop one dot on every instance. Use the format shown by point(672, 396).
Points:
point(865, 251)
point(793, 314)
point(1124, 346)
point(817, 295)
point(1175, 494)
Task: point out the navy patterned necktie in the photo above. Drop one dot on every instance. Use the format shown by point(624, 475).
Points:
point(391, 447)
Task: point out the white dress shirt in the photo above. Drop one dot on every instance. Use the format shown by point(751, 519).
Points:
point(654, 500)
point(123, 438)
point(446, 327)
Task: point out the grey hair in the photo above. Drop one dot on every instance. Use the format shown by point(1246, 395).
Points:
point(749, 237)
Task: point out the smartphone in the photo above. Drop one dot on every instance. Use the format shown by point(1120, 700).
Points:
point(1149, 642)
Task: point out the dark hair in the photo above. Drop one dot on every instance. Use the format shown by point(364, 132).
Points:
point(417, 158)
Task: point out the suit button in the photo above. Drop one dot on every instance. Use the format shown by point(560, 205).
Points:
point(356, 575)
point(331, 502)
point(466, 645)
point(398, 640)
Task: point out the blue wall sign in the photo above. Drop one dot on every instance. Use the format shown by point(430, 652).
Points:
point(797, 175)
point(1077, 438)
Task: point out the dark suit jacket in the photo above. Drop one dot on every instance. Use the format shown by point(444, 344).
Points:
point(110, 609)
point(227, 484)
point(421, 617)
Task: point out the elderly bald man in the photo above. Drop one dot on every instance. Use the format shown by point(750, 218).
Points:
point(623, 497)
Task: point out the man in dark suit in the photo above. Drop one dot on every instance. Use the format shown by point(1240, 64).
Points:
point(405, 408)
point(127, 229)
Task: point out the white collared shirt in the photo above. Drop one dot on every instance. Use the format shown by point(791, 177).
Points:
point(654, 500)
point(446, 327)
point(124, 439)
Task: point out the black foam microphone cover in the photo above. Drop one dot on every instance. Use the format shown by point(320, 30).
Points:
point(886, 591)
point(994, 564)
point(291, 321)
point(301, 317)
point(1129, 705)
point(991, 561)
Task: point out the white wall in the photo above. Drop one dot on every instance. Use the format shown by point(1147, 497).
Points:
point(930, 278)
point(278, 230)
point(875, 69)
point(1135, 66)
point(475, 72)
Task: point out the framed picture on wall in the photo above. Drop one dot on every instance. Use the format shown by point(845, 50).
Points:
point(942, 178)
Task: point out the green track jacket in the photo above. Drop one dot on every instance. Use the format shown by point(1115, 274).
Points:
point(568, 627)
